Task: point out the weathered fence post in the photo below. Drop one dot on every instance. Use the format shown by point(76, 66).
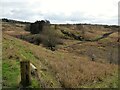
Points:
point(25, 73)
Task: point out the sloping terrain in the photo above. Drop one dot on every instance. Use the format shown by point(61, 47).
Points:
point(69, 66)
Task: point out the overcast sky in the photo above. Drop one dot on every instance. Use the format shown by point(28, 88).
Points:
point(62, 11)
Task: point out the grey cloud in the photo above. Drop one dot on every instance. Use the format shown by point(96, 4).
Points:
point(18, 10)
point(22, 11)
point(7, 5)
point(62, 17)
point(21, 14)
point(25, 14)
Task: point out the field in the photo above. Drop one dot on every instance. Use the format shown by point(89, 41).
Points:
point(90, 63)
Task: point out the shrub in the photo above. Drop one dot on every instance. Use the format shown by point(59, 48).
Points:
point(27, 27)
point(36, 39)
point(42, 33)
point(50, 39)
point(39, 26)
point(32, 38)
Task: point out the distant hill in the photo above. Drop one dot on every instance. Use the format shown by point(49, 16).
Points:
point(22, 22)
point(14, 21)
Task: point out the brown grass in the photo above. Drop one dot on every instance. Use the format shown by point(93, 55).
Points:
point(69, 69)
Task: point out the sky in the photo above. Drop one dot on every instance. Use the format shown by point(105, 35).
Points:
point(62, 11)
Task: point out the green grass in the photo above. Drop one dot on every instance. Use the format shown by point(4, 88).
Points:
point(34, 83)
point(26, 54)
point(11, 73)
point(11, 67)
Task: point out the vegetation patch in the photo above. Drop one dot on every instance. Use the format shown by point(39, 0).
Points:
point(71, 67)
point(11, 73)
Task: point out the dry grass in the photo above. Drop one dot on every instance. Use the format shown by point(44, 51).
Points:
point(63, 65)
point(71, 70)
point(14, 29)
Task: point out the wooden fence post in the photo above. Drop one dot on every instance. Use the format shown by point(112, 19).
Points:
point(25, 73)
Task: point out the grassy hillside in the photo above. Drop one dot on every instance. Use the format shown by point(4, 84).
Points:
point(69, 66)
